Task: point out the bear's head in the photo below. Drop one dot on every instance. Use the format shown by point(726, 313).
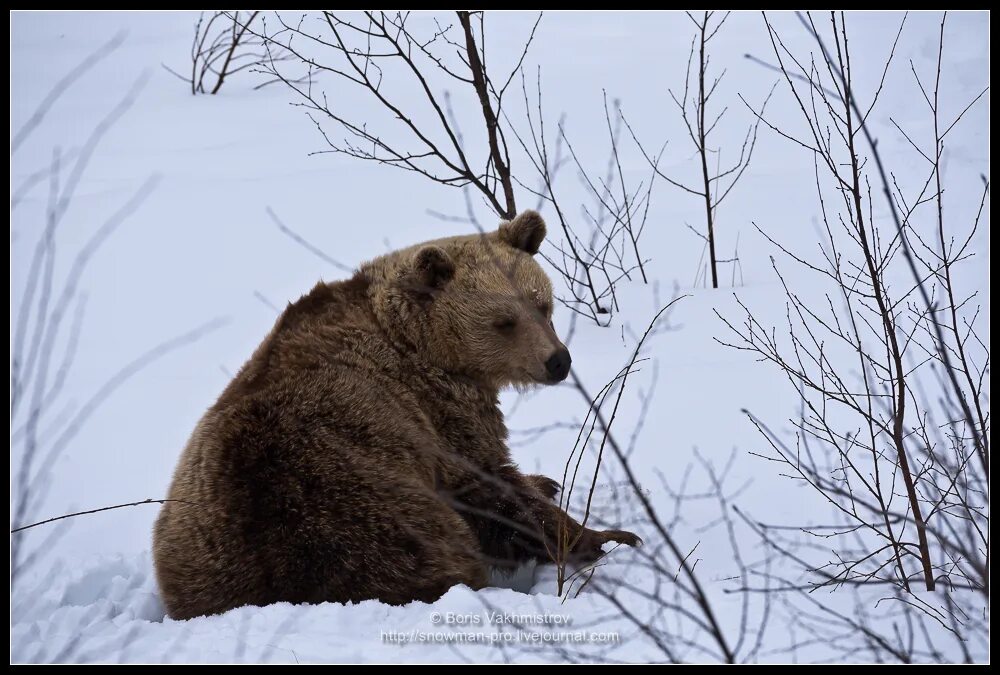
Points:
point(477, 305)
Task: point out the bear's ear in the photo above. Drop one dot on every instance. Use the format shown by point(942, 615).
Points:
point(432, 268)
point(525, 232)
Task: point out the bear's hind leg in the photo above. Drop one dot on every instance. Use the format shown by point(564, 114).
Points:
point(415, 551)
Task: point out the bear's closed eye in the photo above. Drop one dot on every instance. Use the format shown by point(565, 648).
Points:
point(505, 325)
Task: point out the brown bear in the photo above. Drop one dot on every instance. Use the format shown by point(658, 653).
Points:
point(361, 454)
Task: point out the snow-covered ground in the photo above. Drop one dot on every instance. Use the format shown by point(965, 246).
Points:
point(110, 612)
point(200, 249)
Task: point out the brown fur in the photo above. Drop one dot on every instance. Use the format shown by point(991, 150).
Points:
point(360, 453)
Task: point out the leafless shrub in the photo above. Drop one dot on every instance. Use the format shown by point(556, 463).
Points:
point(222, 47)
point(595, 256)
point(671, 607)
point(717, 179)
point(894, 426)
point(560, 551)
point(359, 52)
point(399, 69)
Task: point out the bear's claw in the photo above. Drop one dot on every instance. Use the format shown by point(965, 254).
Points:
point(623, 537)
point(589, 548)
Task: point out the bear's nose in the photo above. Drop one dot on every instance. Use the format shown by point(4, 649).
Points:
point(558, 365)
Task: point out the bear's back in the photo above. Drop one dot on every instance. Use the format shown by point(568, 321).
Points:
point(286, 455)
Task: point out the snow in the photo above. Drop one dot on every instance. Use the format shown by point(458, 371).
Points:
point(201, 248)
point(108, 611)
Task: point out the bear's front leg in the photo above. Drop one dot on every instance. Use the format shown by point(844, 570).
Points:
point(586, 542)
point(588, 548)
point(560, 529)
point(516, 521)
